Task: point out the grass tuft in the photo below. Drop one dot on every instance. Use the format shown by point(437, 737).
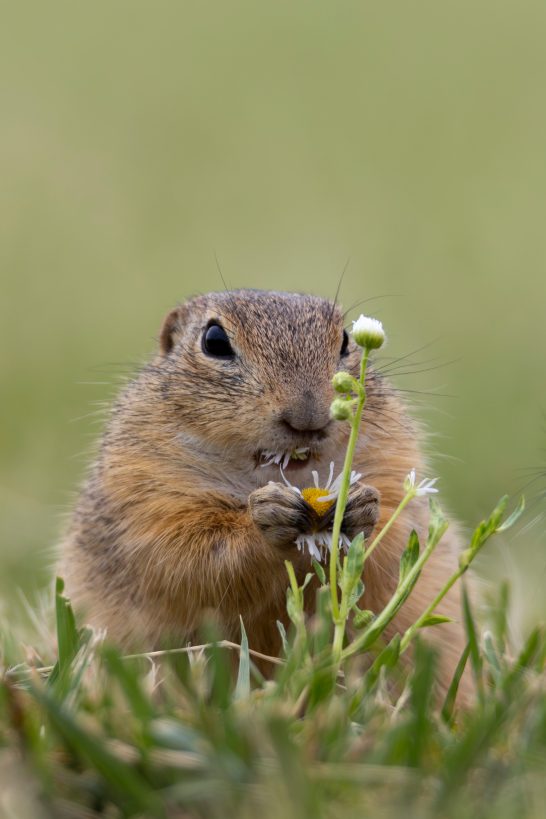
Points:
point(176, 733)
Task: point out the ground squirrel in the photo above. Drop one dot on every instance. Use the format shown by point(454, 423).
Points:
point(179, 515)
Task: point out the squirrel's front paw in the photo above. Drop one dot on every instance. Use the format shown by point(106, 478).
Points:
point(361, 512)
point(280, 514)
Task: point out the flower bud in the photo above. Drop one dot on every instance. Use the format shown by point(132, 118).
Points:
point(368, 333)
point(343, 382)
point(340, 410)
point(362, 618)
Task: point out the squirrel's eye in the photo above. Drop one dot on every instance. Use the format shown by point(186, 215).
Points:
point(345, 343)
point(216, 342)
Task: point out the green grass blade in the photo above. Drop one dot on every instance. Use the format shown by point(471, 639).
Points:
point(242, 688)
point(410, 556)
point(451, 696)
point(127, 787)
point(126, 674)
point(68, 639)
point(472, 635)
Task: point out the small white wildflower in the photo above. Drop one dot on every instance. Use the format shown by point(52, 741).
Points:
point(368, 332)
point(332, 486)
point(425, 487)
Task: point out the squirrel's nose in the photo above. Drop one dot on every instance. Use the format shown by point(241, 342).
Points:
point(305, 415)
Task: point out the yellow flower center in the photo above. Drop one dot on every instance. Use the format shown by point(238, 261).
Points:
point(313, 497)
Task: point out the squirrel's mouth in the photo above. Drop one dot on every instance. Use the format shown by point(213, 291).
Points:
point(288, 459)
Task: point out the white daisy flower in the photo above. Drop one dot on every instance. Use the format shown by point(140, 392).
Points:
point(425, 487)
point(321, 499)
point(368, 332)
point(330, 490)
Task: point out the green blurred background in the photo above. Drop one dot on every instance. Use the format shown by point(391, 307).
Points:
point(140, 139)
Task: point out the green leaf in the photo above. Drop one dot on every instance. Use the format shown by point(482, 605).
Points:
point(410, 556)
point(308, 577)
point(68, 639)
point(387, 657)
point(284, 639)
point(67, 633)
point(425, 660)
point(321, 683)
point(292, 607)
point(319, 571)
point(127, 677)
point(497, 514)
point(514, 517)
point(449, 702)
point(500, 612)
point(488, 527)
point(531, 648)
point(354, 562)
point(437, 522)
point(242, 688)
point(491, 657)
point(351, 577)
point(129, 789)
point(219, 669)
point(294, 596)
point(322, 621)
point(435, 620)
point(471, 632)
point(355, 594)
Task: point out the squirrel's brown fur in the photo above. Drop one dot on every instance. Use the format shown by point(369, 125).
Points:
point(178, 516)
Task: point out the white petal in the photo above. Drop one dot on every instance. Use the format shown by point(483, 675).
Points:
point(366, 323)
point(409, 481)
point(267, 458)
point(368, 332)
point(314, 473)
point(335, 485)
point(314, 551)
point(287, 482)
point(344, 541)
point(283, 476)
point(426, 487)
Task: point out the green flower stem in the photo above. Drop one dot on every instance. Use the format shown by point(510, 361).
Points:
point(411, 631)
point(376, 628)
point(481, 536)
point(341, 503)
point(339, 634)
point(398, 511)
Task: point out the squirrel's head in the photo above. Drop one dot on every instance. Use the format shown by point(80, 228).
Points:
point(251, 371)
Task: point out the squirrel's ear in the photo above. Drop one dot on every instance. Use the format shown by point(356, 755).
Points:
point(173, 324)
